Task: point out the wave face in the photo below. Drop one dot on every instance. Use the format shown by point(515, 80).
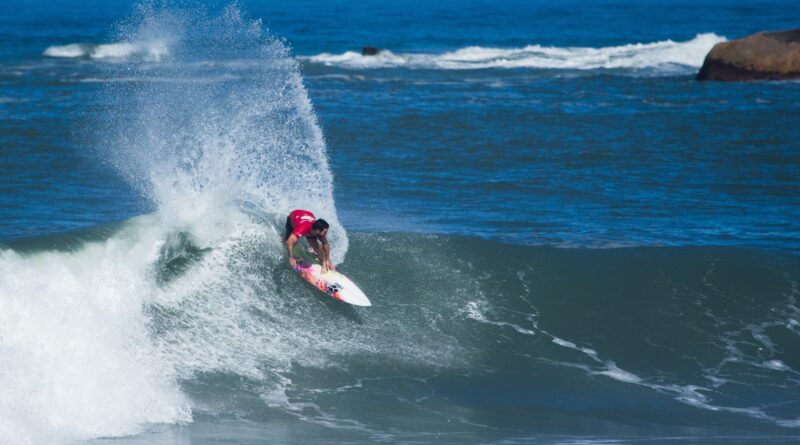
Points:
point(474, 340)
point(665, 56)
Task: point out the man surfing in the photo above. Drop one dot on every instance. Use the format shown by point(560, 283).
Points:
point(302, 223)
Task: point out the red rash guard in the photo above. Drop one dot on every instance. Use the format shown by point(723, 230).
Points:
point(302, 220)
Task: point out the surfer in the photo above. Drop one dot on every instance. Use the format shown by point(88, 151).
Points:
point(302, 223)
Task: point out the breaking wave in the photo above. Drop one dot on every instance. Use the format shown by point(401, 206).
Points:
point(665, 55)
point(153, 51)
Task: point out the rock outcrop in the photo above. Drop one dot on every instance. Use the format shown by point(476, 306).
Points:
point(762, 56)
point(370, 51)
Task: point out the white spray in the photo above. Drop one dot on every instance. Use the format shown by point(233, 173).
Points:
point(218, 119)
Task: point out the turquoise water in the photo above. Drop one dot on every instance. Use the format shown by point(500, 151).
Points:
point(565, 237)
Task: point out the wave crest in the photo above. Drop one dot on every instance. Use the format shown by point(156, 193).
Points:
point(665, 55)
point(151, 51)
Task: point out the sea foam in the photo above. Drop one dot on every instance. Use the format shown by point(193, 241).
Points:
point(152, 51)
point(665, 55)
point(73, 330)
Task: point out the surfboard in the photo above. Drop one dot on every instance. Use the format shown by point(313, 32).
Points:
point(332, 283)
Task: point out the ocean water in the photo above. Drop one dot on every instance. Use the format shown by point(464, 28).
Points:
point(565, 237)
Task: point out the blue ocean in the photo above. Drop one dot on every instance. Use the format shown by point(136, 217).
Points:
point(566, 238)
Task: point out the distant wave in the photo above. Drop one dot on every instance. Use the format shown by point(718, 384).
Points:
point(150, 50)
point(664, 54)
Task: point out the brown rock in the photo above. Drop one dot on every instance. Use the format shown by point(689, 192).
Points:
point(762, 56)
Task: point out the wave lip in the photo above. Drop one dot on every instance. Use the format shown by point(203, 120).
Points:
point(155, 50)
point(664, 55)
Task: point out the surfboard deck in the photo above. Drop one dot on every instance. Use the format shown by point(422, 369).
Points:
point(332, 283)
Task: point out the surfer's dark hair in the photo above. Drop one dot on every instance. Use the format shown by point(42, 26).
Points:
point(320, 224)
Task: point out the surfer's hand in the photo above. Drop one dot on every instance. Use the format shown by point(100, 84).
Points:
point(292, 262)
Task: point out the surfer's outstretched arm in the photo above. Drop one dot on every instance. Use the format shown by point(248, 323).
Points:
point(290, 242)
point(326, 255)
point(315, 245)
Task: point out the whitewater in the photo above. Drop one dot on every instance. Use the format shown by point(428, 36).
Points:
point(664, 58)
point(667, 57)
point(78, 324)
